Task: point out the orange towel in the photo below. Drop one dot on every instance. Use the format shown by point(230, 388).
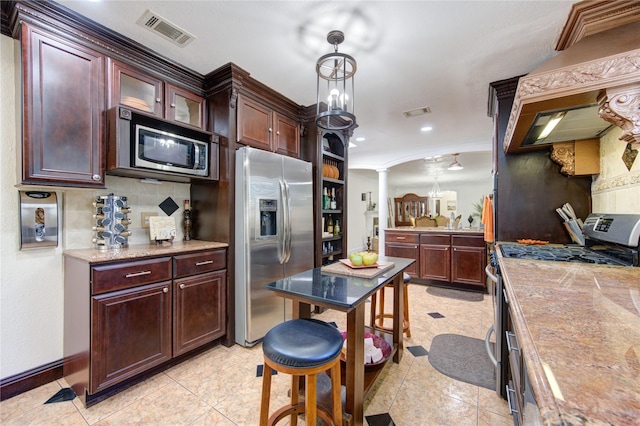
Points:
point(487, 218)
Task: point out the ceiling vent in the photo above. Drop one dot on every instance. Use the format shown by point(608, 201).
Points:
point(159, 25)
point(416, 112)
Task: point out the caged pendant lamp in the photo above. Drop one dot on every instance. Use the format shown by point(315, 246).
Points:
point(335, 90)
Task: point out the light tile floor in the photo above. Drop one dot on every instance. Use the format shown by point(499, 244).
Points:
point(220, 387)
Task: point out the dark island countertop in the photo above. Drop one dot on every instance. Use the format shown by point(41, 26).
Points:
point(579, 329)
point(137, 251)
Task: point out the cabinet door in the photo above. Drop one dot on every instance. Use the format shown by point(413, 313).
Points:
point(63, 124)
point(435, 262)
point(134, 88)
point(130, 333)
point(287, 136)
point(198, 310)
point(254, 124)
point(467, 265)
point(408, 251)
point(184, 107)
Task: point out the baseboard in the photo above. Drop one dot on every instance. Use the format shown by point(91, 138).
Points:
point(31, 379)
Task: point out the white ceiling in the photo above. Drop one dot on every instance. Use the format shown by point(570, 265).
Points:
point(410, 54)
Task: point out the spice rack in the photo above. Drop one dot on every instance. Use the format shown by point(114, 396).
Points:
point(111, 215)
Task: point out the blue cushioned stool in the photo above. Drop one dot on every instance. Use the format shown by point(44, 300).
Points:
point(376, 319)
point(302, 347)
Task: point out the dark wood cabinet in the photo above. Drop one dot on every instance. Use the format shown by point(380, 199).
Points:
point(448, 258)
point(198, 310)
point(63, 100)
point(137, 89)
point(404, 245)
point(468, 260)
point(435, 257)
point(408, 206)
point(124, 318)
point(261, 127)
point(130, 333)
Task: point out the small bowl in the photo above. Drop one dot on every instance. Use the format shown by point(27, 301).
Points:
point(378, 342)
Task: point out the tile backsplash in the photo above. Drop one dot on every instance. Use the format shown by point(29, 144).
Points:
point(617, 188)
point(142, 197)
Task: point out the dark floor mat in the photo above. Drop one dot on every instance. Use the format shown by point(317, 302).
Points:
point(467, 296)
point(462, 358)
point(380, 420)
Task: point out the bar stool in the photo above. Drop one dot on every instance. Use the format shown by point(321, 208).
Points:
point(379, 316)
point(302, 347)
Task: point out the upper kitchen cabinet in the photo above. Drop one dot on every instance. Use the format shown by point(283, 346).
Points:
point(136, 89)
point(63, 101)
point(261, 127)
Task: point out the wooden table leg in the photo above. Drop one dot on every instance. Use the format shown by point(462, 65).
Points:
point(355, 364)
point(398, 315)
point(300, 310)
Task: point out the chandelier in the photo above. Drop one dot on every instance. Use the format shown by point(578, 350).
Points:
point(435, 190)
point(335, 89)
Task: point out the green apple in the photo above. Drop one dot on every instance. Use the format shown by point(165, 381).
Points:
point(356, 259)
point(369, 258)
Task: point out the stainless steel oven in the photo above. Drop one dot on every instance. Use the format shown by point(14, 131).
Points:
point(497, 350)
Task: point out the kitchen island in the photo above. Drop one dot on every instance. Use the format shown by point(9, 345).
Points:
point(578, 329)
point(348, 294)
point(447, 257)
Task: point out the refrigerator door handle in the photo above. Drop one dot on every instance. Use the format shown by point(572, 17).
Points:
point(282, 244)
point(288, 228)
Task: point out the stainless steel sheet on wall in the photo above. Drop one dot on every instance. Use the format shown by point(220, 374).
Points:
point(38, 219)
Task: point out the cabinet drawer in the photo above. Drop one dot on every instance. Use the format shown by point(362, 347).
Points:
point(467, 241)
point(126, 275)
point(401, 237)
point(437, 239)
point(198, 263)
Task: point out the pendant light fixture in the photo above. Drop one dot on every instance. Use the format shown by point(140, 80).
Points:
point(455, 165)
point(335, 89)
point(435, 190)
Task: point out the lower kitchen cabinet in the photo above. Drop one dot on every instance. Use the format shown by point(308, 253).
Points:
point(468, 260)
point(130, 333)
point(402, 244)
point(195, 322)
point(124, 318)
point(435, 257)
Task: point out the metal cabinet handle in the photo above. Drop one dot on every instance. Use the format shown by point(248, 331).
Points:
point(270, 130)
point(158, 100)
point(97, 178)
point(165, 290)
point(512, 410)
point(137, 274)
point(182, 286)
point(173, 105)
point(278, 133)
point(511, 347)
point(401, 238)
point(206, 262)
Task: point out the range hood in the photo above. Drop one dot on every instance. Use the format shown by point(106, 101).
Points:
point(590, 85)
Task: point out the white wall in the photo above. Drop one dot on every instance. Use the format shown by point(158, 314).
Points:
point(359, 181)
point(616, 189)
point(31, 281)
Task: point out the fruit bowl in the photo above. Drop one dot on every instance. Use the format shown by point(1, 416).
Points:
point(378, 342)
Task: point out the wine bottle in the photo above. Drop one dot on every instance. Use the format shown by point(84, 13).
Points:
point(333, 199)
point(336, 228)
point(325, 199)
point(330, 225)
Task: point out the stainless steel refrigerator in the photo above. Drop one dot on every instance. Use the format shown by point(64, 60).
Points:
point(274, 236)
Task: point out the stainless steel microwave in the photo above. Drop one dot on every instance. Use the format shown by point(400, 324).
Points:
point(144, 146)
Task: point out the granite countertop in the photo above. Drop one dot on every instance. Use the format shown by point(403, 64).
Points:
point(438, 229)
point(136, 251)
point(579, 329)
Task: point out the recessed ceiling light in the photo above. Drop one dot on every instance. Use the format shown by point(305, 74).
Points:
point(360, 139)
point(426, 129)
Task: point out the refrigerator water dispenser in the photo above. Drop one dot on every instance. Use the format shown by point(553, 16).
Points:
point(268, 211)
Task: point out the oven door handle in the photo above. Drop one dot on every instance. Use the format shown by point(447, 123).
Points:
point(489, 274)
point(487, 345)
